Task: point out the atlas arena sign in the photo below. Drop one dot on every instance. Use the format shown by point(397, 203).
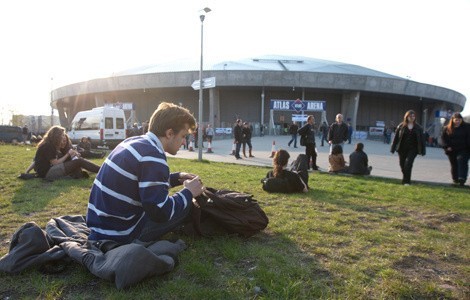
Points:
point(298, 105)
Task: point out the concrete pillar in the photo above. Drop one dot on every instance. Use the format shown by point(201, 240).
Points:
point(214, 107)
point(349, 106)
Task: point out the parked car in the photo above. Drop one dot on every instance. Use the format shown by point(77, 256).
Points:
point(11, 134)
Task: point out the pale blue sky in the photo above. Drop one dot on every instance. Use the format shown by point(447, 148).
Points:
point(71, 41)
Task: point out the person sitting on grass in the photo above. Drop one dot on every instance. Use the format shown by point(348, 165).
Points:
point(130, 198)
point(84, 148)
point(286, 181)
point(55, 157)
point(359, 162)
point(336, 160)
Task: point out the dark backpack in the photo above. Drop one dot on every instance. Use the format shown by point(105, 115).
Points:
point(235, 212)
point(300, 165)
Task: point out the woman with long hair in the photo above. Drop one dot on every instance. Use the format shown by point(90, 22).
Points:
point(293, 180)
point(55, 157)
point(408, 142)
point(336, 161)
point(456, 144)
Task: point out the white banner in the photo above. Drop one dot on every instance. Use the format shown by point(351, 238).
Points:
point(299, 118)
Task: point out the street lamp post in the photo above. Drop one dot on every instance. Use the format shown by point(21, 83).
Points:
point(199, 140)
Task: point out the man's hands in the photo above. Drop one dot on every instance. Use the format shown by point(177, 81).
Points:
point(185, 176)
point(193, 184)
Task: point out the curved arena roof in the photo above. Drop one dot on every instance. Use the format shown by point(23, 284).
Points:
point(264, 63)
point(264, 71)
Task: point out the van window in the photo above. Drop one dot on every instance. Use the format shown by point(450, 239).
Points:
point(88, 123)
point(119, 123)
point(108, 123)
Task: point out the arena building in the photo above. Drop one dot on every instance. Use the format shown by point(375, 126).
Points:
point(268, 90)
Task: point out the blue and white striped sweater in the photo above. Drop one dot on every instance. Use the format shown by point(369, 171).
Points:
point(132, 187)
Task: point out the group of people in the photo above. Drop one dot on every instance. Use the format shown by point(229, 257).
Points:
point(408, 141)
point(208, 135)
point(242, 132)
point(130, 198)
point(358, 161)
point(336, 134)
point(56, 158)
point(138, 130)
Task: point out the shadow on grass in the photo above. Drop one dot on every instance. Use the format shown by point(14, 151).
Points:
point(36, 194)
point(267, 264)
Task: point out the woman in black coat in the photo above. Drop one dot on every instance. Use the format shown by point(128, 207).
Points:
point(359, 162)
point(456, 144)
point(408, 142)
point(288, 181)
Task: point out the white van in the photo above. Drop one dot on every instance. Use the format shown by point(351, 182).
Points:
point(106, 126)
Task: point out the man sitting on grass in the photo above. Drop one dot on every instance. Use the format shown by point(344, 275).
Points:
point(129, 199)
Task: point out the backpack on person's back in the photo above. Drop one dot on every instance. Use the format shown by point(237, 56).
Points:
point(300, 166)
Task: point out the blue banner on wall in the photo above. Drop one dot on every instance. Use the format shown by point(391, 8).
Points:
point(297, 105)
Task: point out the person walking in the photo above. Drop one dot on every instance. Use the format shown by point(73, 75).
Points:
point(209, 133)
point(238, 137)
point(247, 132)
point(408, 142)
point(350, 132)
point(338, 132)
point(130, 198)
point(308, 131)
point(456, 144)
point(293, 128)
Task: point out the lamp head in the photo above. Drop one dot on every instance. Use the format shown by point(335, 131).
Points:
point(204, 11)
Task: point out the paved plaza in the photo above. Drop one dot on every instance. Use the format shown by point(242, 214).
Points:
point(434, 167)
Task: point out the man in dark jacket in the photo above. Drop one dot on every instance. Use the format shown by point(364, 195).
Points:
point(247, 131)
point(308, 130)
point(238, 137)
point(338, 132)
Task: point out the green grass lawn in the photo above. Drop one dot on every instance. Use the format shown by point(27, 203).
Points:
point(348, 238)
